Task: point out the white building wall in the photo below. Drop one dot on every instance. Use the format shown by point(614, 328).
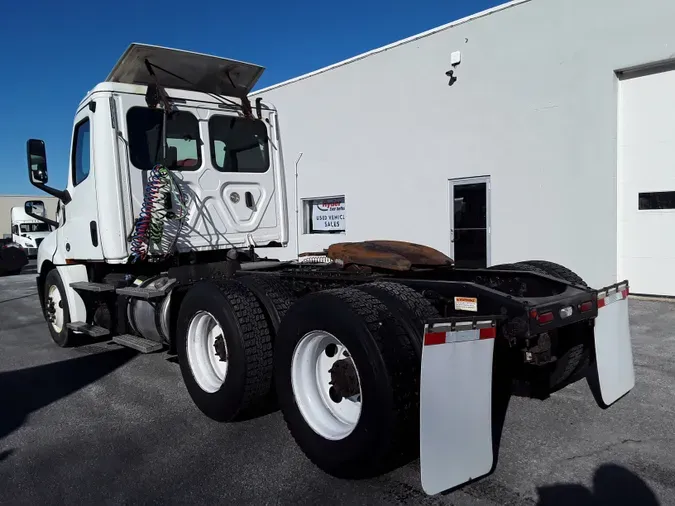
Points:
point(534, 107)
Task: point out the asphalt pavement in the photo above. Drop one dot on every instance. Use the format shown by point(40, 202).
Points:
point(100, 424)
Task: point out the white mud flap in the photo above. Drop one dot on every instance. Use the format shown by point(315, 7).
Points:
point(613, 351)
point(456, 402)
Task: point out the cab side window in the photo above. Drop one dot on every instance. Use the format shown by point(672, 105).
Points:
point(81, 162)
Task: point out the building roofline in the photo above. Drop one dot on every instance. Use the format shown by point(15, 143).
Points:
point(401, 42)
point(2, 196)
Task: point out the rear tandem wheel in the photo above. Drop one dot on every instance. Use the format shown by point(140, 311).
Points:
point(574, 341)
point(345, 370)
point(224, 348)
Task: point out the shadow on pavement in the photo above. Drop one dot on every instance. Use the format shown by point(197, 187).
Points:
point(612, 485)
point(26, 390)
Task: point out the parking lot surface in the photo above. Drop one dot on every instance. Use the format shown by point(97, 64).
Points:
point(100, 424)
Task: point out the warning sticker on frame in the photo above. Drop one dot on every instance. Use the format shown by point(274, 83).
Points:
point(466, 304)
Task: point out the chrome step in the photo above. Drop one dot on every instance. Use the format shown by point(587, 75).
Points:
point(86, 286)
point(88, 329)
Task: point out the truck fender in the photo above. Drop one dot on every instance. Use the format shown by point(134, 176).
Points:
point(70, 274)
point(615, 374)
point(47, 252)
point(456, 401)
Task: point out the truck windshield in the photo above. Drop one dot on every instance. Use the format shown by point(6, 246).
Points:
point(145, 138)
point(238, 144)
point(34, 227)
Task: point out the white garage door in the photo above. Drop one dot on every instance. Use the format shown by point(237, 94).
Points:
point(646, 183)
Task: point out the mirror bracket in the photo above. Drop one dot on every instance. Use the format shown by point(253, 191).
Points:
point(62, 195)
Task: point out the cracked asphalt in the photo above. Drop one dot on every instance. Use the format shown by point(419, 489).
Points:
point(100, 424)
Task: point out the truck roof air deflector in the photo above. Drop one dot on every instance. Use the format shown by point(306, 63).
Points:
point(185, 70)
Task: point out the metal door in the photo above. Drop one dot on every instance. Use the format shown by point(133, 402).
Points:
point(470, 221)
point(227, 205)
point(80, 234)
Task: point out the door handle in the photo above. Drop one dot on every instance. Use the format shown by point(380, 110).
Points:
point(248, 198)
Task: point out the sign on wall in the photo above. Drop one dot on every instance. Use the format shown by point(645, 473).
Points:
point(327, 215)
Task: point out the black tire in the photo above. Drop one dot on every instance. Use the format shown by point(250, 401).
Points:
point(65, 338)
point(408, 305)
point(249, 347)
point(387, 364)
point(276, 300)
point(272, 293)
point(574, 341)
point(518, 266)
point(557, 270)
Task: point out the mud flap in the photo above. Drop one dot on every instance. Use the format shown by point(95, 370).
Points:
point(613, 350)
point(456, 402)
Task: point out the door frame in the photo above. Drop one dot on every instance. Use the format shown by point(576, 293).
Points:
point(488, 213)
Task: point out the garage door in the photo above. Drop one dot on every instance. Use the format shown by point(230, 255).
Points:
point(646, 182)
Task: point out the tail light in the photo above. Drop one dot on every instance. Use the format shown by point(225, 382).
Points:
point(585, 306)
point(545, 317)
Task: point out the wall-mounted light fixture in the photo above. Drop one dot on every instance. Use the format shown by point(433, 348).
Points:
point(455, 59)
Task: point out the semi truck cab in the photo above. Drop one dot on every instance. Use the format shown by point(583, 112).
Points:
point(226, 170)
point(29, 232)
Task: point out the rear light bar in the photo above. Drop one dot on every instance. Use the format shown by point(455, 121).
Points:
point(605, 297)
point(563, 313)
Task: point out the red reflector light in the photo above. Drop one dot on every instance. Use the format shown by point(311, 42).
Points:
point(624, 292)
point(586, 306)
point(432, 338)
point(487, 333)
point(545, 317)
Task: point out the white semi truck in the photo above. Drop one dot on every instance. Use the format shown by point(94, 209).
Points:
point(29, 232)
point(376, 353)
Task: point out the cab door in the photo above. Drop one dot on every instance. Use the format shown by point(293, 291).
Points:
point(80, 232)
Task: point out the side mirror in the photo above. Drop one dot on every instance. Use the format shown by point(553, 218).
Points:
point(37, 171)
point(36, 209)
point(37, 161)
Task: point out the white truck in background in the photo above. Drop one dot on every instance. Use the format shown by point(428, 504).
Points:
point(27, 231)
point(376, 353)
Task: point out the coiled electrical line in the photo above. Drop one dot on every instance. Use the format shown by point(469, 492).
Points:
point(160, 192)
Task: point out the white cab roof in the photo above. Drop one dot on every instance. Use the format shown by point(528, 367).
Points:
point(178, 69)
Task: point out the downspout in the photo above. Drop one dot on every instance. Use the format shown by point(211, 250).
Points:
point(297, 212)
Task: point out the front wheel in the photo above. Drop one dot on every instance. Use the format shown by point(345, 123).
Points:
point(345, 372)
point(56, 310)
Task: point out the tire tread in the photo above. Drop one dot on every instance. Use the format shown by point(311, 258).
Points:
point(275, 290)
point(256, 339)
